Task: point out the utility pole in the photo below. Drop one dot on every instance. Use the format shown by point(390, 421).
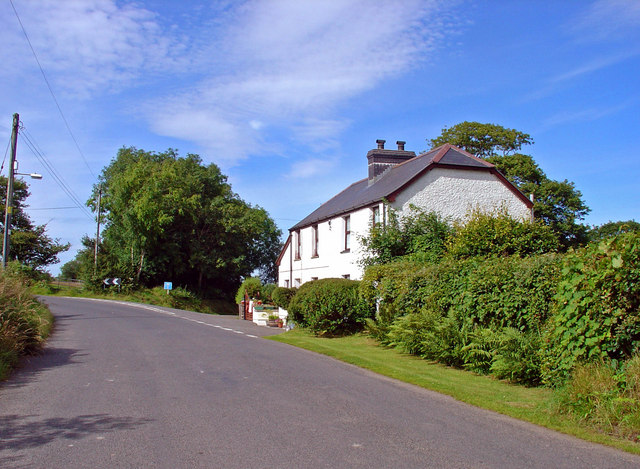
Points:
point(95, 254)
point(9, 205)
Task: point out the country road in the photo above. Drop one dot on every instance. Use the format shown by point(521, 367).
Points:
point(122, 385)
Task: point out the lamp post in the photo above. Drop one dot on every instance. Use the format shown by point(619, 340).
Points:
point(9, 205)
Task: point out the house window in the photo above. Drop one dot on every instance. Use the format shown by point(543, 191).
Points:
point(314, 241)
point(296, 283)
point(347, 276)
point(298, 245)
point(375, 216)
point(347, 233)
point(314, 278)
point(286, 283)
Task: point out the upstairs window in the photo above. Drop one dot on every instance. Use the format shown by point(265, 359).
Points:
point(347, 233)
point(375, 216)
point(314, 241)
point(297, 244)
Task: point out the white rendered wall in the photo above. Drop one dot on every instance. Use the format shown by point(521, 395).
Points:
point(454, 193)
point(331, 261)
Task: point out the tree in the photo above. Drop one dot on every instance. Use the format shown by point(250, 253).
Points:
point(557, 203)
point(613, 228)
point(482, 140)
point(173, 218)
point(30, 244)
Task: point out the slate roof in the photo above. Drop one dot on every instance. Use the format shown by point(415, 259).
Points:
point(362, 194)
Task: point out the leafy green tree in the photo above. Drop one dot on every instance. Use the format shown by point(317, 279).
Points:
point(30, 244)
point(613, 228)
point(174, 218)
point(482, 140)
point(557, 203)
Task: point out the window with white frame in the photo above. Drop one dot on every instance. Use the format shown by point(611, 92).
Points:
point(297, 244)
point(314, 241)
point(347, 233)
point(375, 216)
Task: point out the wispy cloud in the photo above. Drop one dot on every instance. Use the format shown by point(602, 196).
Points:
point(89, 46)
point(608, 20)
point(586, 115)
point(290, 64)
point(309, 168)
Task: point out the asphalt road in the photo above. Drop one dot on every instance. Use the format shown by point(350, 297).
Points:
point(134, 386)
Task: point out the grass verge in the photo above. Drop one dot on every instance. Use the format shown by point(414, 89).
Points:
point(535, 405)
point(25, 324)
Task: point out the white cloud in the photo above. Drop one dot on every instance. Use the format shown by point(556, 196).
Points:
point(289, 64)
point(87, 46)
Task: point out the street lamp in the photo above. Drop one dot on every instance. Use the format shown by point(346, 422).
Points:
point(13, 165)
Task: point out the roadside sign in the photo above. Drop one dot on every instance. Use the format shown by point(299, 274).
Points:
point(111, 281)
point(168, 286)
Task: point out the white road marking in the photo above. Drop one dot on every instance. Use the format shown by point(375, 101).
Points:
point(158, 310)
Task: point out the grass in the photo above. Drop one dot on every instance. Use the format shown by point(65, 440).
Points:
point(177, 298)
point(535, 405)
point(25, 324)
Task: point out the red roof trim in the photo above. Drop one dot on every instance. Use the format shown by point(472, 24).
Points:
point(284, 248)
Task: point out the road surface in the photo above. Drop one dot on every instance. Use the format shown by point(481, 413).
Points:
point(121, 385)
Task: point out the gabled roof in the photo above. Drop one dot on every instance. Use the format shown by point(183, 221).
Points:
point(362, 194)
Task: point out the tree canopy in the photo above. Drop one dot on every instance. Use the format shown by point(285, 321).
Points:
point(557, 203)
point(171, 218)
point(482, 140)
point(30, 243)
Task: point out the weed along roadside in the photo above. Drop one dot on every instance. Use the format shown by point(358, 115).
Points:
point(535, 405)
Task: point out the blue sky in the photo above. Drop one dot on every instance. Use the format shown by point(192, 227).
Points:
point(288, 96)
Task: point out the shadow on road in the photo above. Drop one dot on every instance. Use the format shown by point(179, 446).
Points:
point(26, 432)
point(31, 367)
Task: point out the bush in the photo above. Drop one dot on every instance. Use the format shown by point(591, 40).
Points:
point(330, 306)
point(281, 296)
point(266, 292)
point(417, 233)
point(252, 286)
point(597, 307)
point(500, 235)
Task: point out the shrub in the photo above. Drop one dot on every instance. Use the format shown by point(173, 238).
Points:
point(330, 306)
point(500, 235)
point(252, 286)
point(281, 296)
point(597, 307)
point(417, 233)
point(266, 292)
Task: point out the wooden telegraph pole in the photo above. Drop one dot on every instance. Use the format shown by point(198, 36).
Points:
point(9, 205)
point(95, 253)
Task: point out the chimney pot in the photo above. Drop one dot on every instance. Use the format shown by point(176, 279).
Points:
point(400, 145)
point(380, 144)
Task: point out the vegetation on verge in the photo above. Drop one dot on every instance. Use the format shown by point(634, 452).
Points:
point(24, 322)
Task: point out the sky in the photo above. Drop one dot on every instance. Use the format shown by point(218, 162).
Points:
point(287, 96)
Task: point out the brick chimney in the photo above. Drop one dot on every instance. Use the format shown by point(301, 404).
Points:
point(380, 160)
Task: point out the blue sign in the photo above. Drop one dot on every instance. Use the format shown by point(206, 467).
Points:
point(168, 286)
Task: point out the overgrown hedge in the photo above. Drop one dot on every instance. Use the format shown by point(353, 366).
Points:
point(330, 306)
point(530, 320)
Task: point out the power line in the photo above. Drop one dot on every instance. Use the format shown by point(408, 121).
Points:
point(55, 100)
point(33, 146)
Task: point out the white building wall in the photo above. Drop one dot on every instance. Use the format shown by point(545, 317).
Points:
point(332, 261)
point(454, 193)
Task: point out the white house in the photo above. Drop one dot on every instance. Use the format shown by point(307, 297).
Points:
point(446, 180)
